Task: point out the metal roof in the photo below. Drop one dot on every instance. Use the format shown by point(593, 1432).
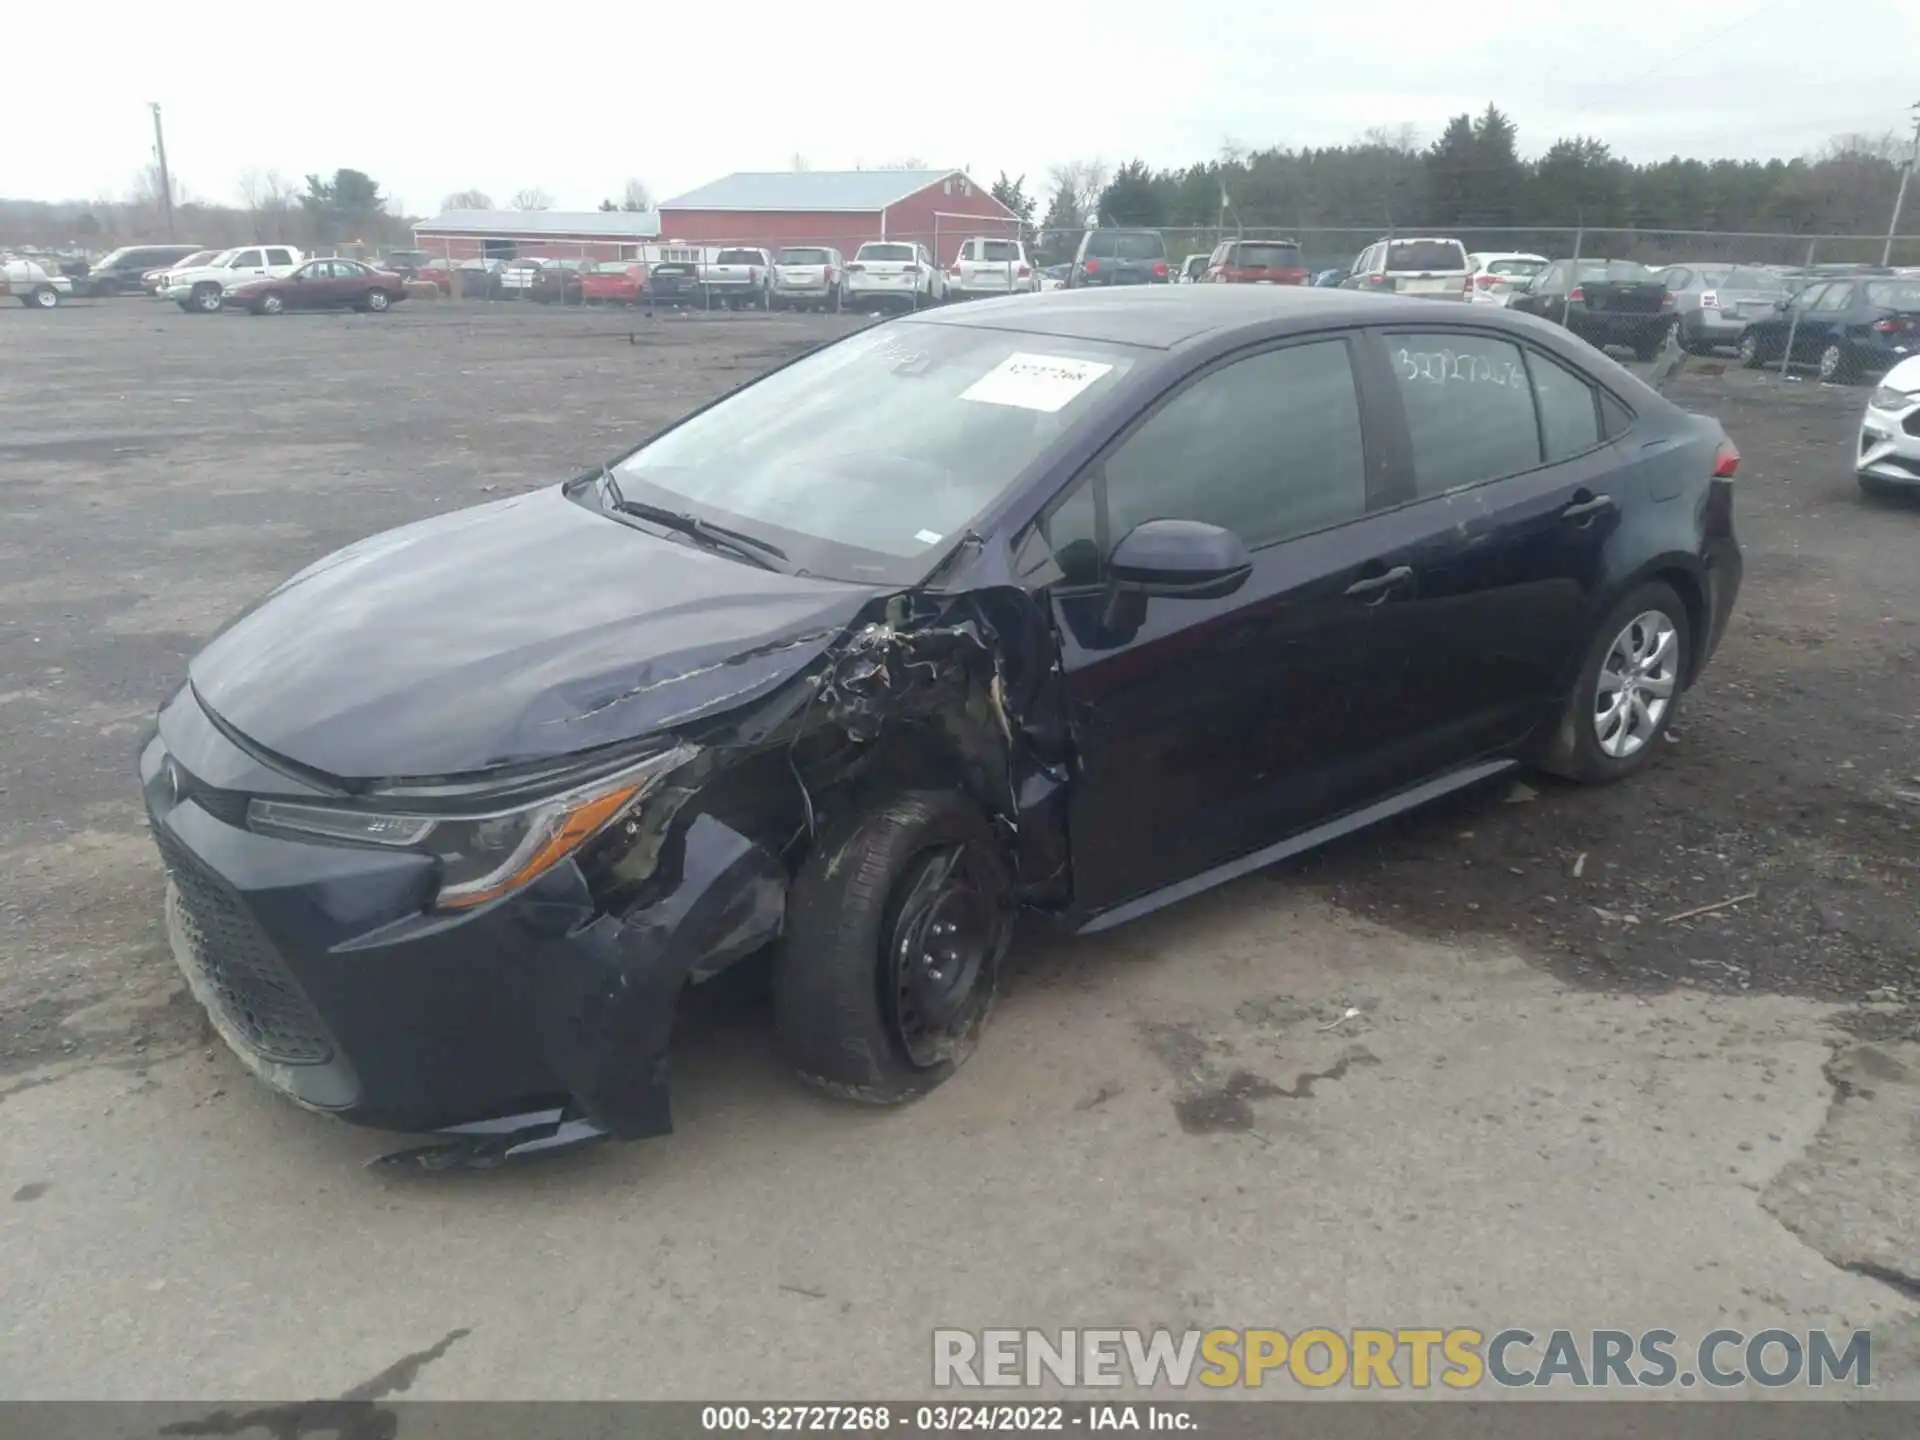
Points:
point(593, 224)
point(859, 192)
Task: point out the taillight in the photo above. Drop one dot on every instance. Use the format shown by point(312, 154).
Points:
point(1577, 295)
point(829, 275)
point(1159, 267)
point(1708, 300)
point(1486, 282)
point(1293, 277)
point(856, 268)
point(1024, 271)
point(1091, 267)
point(1726, 460)
point(1891, 325)
point(1666, 299)
point(1378, 280)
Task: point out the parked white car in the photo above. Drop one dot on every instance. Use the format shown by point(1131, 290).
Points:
point(986, 266)
point(1494, 274)
point(203, 290)
point(154, 281)
point(894, 272)
point(1889, 447)
point(808, 277)
point(1434, 266)
point(1192, 268)
point(35, 286)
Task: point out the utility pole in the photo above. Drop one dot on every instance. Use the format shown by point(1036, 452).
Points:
point(1900, 196)
point(166, 182)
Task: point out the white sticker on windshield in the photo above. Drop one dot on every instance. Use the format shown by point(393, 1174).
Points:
point(1035, 382)
point(927, 537)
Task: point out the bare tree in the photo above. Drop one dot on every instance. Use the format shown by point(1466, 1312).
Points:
point(268, 198)
point(911, 162)
point(1890, 145)
point(467, 200)
point(532, 198)
point(1402, 139)
point(1085, 180)
point(635, 196)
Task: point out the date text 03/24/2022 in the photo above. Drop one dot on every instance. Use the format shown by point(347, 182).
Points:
point(879, 1417)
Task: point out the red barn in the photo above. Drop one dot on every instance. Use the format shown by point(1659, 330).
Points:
point(838, 208)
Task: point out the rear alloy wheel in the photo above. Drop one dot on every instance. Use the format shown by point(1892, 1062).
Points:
point(896, 926)
point(378, 301)
point(1628, 686)
point(43, 297)
point(270, 304)
point(207, 299)
point(1750, 355)
point(1836, 366)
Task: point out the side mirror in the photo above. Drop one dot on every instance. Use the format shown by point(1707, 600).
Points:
point(1180, 559)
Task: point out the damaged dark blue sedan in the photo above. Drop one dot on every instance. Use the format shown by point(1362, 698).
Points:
point(1080, 603)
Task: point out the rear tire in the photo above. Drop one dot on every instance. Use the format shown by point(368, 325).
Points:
point(896, 926)
point(1597, 741)
point(1751, 354)
point(268, 305)
point(378, 302)
point(43, 297)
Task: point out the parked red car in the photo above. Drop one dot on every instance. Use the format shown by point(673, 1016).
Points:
point(322, 285)
point(614, 282)
point(1256, 262)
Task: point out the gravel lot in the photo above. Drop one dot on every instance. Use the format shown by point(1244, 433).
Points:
point(1556, 1106)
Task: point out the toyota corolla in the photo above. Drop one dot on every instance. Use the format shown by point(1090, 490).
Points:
point(1078, 603)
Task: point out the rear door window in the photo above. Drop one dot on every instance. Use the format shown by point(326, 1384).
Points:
point(1469, 409)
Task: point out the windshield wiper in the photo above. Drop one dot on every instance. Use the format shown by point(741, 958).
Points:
point(763, 553)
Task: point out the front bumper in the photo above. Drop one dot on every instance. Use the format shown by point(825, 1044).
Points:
point(1889, 446)
point(328, 975)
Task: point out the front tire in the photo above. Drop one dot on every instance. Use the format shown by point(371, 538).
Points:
point(896, 926)
point(1836, 366)
point(43, 297)
point(207, 299)
point(1629, 683)
point(1751, 355)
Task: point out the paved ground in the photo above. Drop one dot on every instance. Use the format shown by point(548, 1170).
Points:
point(1553, 1106)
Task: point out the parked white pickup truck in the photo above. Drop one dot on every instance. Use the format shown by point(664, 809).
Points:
point(203, 290)
point(35, 286)
point(739, 276)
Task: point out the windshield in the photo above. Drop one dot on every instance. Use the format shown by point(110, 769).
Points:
point(1126, 245)
point(803, 257)
point(1894, 294)
point(199, 257)
point(738, 257)
point(1613, 270)
point(225, 257)
point(863, 458)
point(1426, 255)
point(885, 252)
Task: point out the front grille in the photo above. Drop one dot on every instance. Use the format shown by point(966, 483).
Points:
point(239, 968)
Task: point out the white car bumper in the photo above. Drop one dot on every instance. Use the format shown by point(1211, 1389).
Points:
point(1889, 448)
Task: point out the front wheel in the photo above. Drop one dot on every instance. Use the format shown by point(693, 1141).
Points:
point(896, 926)
point(1751, 355)
point(43, 297)
point(1629, 682)
point(207, 299)
point(1836, 366)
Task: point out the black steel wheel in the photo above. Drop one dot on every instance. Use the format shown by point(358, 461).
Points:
point(896, 926)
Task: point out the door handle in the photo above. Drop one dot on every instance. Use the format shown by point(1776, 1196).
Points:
point(1378, 585)
point(1586, 509)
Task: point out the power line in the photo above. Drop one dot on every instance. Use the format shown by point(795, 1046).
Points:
point(1693, 49)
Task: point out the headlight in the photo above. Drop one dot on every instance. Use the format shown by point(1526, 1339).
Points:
point(485, 854)
point(1888, 398)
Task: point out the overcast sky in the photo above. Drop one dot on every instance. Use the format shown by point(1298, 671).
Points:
point(484, 99)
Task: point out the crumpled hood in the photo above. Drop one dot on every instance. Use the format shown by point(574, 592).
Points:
point(523, 630)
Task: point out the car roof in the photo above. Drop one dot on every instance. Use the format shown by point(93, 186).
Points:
point(1162, 317)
